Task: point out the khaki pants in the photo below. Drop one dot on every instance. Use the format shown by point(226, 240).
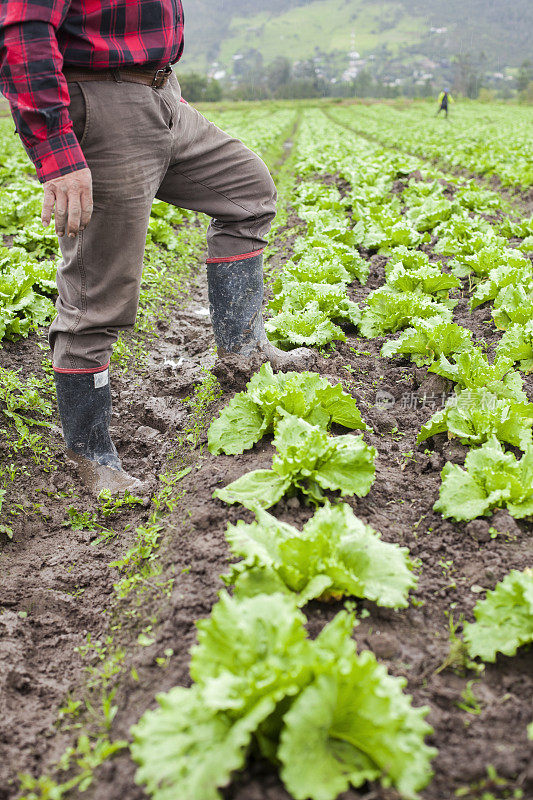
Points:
point(141, 143)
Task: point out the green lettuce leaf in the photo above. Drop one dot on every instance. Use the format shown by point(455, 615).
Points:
point(249, 649)
point(21, 308)
point(308, 460)
point(409, 259)
point(350, 727)
point(475, 415)
point(335, 554)
point(427, 280)
point(527, 245)
point(382, 228)
point(239, 426)
point(490, 479)
point(465, 235)
point(482, 262)
point(389, 310)
point(330, 299)
point(471, 369)
point(261, 488)
point(429, 339)
point(504, 619)
point(185, 744)
point(431, 212)
point(516, 345)
point(327, 248)
point(310, 269)
point(517, 228)
point(513, 305)
point(253, 413)
point(309, 326)
point(519, 271)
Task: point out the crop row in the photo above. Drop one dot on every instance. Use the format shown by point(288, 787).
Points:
point(487, 140)
point(252, 684)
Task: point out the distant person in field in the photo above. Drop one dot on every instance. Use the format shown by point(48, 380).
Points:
point(99, 111)
point(445, 99)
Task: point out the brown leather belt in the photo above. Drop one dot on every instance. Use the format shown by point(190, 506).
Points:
point(149, 77)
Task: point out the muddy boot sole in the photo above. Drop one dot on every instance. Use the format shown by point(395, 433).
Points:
point(98, 478)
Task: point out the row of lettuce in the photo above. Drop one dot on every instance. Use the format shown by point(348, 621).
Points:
point(488, 406)
point(327, 716)
point(489, 140)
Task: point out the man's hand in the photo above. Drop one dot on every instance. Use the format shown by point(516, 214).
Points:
point(72, 196)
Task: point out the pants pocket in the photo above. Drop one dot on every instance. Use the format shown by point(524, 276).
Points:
point(78, 111)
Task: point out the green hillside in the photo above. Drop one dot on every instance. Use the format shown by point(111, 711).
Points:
point(328, 25)
point(217, 30)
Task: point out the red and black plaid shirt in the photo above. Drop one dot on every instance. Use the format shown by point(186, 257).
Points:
point(38, 36)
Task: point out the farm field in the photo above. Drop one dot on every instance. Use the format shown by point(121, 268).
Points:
point(362, 511)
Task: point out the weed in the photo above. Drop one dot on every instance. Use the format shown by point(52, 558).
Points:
point(109, 505)
point(470, 702)
point(484, 789)
point(458, 658)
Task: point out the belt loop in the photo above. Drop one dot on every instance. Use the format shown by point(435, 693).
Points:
point(116, 75)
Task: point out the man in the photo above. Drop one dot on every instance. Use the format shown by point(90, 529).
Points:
point(99, 111)
point(444, 99)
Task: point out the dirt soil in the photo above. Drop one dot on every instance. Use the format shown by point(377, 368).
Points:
point(61, 578)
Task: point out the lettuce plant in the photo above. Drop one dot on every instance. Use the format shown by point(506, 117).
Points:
point(42, 272)
point(389, 310)
point(327, 716)
point(429, 339)
point(465, 236)
point(307, 313)
point(513, 305)
point(431, 212)
point(471, 369)
point(476, 198)
point(517, 228)
point(475, 415)
point(311, 269)
point(21, 308)
point(308, 326)
point(428, 279)
point(40, 243)
point(253, 413)
point(504, 619)
point(482, 262)
point(313, 193)
point(516, 345)
point(519, 271)
point(382, 229)
point(491, 479)
point(330, 247)
point(307, 460)
point(409, 259)
point(331, 299)
point(335, 554)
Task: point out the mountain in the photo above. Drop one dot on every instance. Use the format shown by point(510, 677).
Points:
point(497, 33)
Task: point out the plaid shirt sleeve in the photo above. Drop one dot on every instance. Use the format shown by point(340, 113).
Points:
point(32, 81)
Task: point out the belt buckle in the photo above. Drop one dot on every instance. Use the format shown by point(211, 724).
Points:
point(160, 77)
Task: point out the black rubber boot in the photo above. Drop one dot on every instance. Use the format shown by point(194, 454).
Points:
point(84, 403)
point(236, 302)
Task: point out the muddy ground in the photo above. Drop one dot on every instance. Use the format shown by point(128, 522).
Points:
point(60, 580)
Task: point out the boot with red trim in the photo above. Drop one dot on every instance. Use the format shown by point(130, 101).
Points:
point(84, 402)
point(236, 303)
